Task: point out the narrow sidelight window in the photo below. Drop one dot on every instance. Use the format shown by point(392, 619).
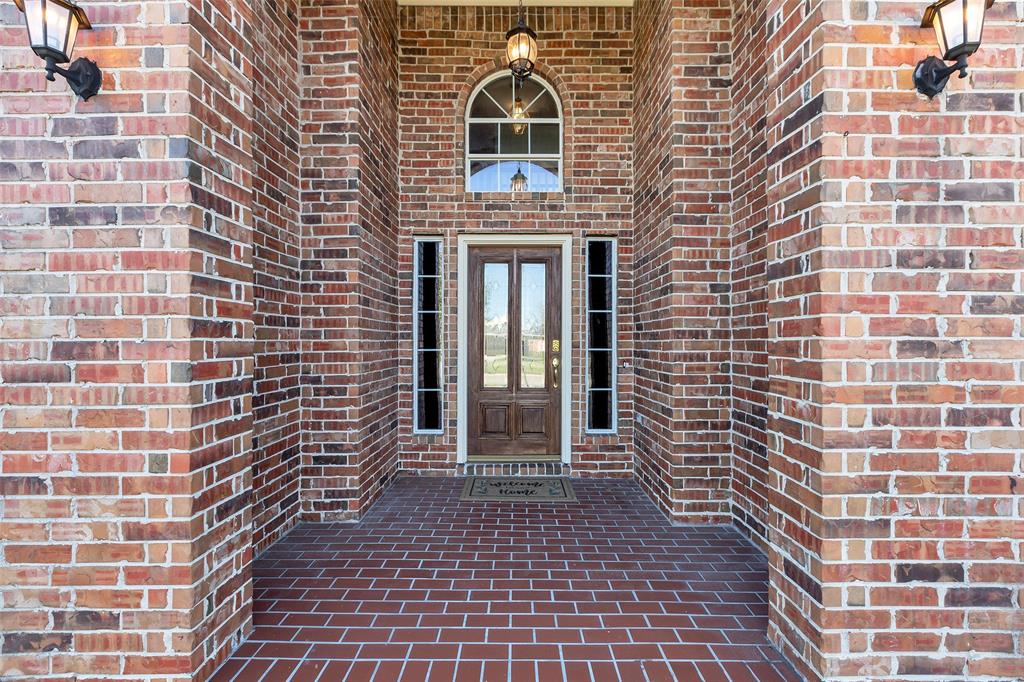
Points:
point(601, 335)
point(426, 327)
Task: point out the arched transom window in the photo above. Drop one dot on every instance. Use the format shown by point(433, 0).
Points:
point(513, 136)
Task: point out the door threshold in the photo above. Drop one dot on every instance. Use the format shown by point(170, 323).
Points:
point(512, 459)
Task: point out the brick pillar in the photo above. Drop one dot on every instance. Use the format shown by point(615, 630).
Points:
point(681, 272)
point(125, 346)
point(895, 285)
point(349, 192)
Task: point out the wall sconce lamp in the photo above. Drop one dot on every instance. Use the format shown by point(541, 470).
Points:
point(53, 26)
point(958, 25)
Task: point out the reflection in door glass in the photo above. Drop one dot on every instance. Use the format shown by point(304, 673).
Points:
point(532, 309)
point(495, 325)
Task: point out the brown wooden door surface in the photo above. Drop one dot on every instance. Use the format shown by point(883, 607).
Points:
point(515, 322)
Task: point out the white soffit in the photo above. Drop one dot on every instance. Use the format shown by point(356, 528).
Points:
point(515, 3)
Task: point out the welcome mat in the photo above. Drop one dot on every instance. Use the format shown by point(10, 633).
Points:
point(553, 489)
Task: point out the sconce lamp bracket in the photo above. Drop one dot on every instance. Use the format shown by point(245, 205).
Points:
point(83, 76)
point(932, 74)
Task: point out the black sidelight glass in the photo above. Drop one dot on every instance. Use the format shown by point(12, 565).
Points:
point(599, 297)
point(599, 257)
point(600, 331)
point(600, 411)
point(601, 346)
point(427, 287)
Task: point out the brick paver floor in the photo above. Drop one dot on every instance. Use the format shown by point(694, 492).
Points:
point(426, 587)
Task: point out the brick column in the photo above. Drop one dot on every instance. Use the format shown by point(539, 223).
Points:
point(349, 192)
point(895, 265)
point(125, 346)
point(681, 273)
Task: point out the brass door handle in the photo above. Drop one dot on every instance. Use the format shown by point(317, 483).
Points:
point(554, 371)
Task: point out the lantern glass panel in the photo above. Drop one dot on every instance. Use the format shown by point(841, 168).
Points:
point(532, 44)
point(57, 19)
point(518, 46)
point(975, 20)
point(940, 34)
point(953, 27)
point(72, 36)
point(34, 22)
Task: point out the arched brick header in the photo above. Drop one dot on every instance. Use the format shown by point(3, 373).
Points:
point(561, 91)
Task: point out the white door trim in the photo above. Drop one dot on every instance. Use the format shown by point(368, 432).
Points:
point(462, 395)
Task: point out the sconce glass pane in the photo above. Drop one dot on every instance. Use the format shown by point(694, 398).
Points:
point(57, 18)
point(34, 22)
point(72, 36)
point(975, 20)
point(952, 26)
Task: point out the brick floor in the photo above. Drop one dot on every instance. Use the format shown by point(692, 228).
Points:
point(426, 587)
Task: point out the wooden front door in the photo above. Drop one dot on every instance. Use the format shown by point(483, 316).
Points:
point(515, 323)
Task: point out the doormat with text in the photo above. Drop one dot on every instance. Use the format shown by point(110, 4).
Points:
point(533, 489)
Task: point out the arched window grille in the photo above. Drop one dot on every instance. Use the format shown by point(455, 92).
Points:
point(513, 130)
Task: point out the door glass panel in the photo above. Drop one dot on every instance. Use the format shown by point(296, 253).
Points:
point(495, 325)
point(533, 309)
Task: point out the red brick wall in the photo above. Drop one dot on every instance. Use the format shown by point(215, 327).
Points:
point(349, 201)
point(586, 53)
point(895, 281)
point(330, 246)
point(682, 188)
point(379, 271)
point(219, 524)
point(125, 348)
point(749, 297)
point(276, 262)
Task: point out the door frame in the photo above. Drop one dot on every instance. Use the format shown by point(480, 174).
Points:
point(462, 314)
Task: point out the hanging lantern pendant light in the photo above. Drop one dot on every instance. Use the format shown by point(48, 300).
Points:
point(521, 48)
point(519, 181)
point(519, 114)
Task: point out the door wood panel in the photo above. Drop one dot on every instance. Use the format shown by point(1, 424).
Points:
point(514, 389)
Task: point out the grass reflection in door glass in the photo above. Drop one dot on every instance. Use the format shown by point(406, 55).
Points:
point(495, 325)
point(533, 309)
